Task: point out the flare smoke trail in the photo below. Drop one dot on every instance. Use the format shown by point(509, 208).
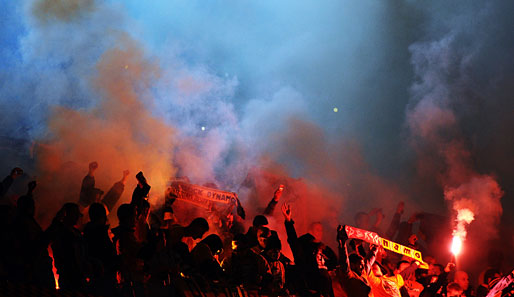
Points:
point(131, 85)
point(447, 65)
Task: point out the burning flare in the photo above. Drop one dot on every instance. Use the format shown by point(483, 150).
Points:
point(464, 217)
point(456, 245)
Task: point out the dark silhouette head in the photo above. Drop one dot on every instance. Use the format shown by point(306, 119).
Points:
point(239, 242)
point(198, 228)
point(356, 263)
point(260, 221)
point(97, 213)
point(71, 214)
point(491, 274)
point(214, 243)
point(127, 215)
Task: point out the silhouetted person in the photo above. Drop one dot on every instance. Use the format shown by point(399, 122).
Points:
point(140, 192)
point(203, 256)
point(8, 180)
point(245, 266)
point(128, 249)
point(272, 254)
point(113, 195)
point(69, 249)
point(434, 288)
point(309, 259)
point(258, 221)
point(88, 192)
point(354, 269)
point(101, 251)
point(142, 226)
point(30, 259)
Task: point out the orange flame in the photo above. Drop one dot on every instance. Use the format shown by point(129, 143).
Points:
point(54, 270)
point(464, 217)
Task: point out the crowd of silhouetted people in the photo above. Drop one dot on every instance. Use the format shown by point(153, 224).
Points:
point(151, 253)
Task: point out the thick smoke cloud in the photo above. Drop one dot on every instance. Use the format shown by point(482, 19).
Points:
point(418, 87)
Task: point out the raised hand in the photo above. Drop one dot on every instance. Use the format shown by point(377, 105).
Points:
point(278, 193)
point(286, 211)
point(32, 185)
point(449, 267)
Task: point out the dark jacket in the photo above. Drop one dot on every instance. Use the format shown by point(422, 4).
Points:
point(306, 253)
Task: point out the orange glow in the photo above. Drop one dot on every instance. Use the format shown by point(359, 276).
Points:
point(54, 270)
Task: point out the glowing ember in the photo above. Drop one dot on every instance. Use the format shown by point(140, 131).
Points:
point(456, 245)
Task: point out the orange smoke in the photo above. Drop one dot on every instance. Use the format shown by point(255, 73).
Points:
point(119, 133)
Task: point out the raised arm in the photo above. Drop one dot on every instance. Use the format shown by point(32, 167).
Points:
point(274, 201)
point(395, 222)
point(292, 237)
point(344, 262)
point(370, 258)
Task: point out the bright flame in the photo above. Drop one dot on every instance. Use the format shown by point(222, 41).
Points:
point(54, 270)
point(464, 217)
point(456, 245)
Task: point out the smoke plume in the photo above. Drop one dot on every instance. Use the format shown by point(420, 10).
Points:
point(244, 97)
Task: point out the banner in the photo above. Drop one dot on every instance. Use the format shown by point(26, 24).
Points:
point(200, 196)
point(374, 238)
